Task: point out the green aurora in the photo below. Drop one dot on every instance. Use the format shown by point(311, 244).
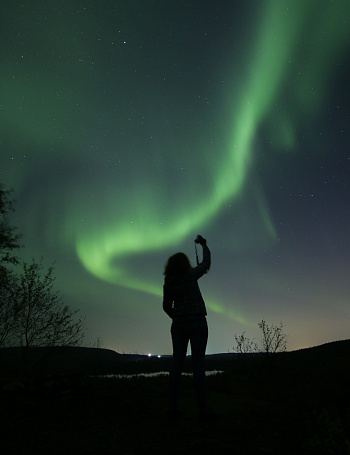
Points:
point(277, 42)
point(127, 133)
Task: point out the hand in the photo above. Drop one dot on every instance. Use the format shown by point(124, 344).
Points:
point(199, 239)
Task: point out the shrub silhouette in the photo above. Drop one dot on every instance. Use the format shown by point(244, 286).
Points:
point(273, 340)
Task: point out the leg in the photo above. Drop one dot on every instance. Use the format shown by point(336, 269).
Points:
point(180, 342)
point(199, 338)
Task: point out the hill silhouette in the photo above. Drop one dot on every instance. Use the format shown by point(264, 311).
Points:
point(97, 361)
point(284, 403)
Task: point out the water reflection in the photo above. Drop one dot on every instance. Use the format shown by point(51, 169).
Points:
point(152, 375)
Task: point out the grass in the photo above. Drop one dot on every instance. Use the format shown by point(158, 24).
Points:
point(129, 416)
point(264, 408)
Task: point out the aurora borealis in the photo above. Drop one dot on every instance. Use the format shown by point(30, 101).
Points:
point(129, 127)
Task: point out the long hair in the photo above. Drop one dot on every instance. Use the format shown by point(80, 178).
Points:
point(177, 264)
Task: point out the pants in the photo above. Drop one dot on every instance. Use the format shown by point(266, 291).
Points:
point(193, 329)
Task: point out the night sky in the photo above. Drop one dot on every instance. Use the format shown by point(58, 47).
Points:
point(129, 127)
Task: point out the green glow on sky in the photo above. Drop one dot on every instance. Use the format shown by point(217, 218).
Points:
point(282, 77)
point(276, 44)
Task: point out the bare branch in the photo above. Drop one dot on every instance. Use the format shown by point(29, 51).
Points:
point(40, 317)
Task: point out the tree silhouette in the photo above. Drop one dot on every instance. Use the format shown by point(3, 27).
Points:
point(7, 315)
point(41, 318)
point(8, 237)
point(245, 345)
point(273, 340)
point(31, 312)
point(8, 243)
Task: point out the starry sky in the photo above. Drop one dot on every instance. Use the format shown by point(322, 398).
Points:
point(129, 127)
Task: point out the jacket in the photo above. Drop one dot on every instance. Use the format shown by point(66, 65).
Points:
point(181, 293)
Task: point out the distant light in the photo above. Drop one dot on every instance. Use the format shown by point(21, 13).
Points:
point(149, 355)
point(159, 356)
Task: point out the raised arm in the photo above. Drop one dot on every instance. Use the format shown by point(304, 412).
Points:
point(203, 266)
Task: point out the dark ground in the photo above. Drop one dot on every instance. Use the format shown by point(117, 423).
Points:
point(291, 403)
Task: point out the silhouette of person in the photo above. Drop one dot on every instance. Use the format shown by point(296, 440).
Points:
point(184, 304)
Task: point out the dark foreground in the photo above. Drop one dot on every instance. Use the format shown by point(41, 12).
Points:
point(283, 405)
